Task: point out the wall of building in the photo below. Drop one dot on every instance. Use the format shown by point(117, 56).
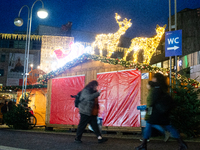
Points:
point(49, 30)
point(3, 66)
point(13, 45)
point(188, 20)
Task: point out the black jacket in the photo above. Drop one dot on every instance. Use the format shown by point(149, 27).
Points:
point(161, 106)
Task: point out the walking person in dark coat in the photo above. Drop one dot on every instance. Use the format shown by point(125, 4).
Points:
point(160, 112)
point(88, 109)
point(151, 86)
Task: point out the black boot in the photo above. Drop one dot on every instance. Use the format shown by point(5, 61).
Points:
point(183, 145)
point(143, 146)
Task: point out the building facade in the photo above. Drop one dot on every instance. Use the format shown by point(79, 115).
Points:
point(188, 20)
point(12, 49)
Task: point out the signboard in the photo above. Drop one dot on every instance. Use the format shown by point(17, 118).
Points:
point(13, 82)
point(173, 43)
point(16, 64)
point(145, 76)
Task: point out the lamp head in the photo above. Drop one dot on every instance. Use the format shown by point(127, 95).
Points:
point(42, 13)
point(18, 22)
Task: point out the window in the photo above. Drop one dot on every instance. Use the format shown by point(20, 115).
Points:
point(173, 63)
point(16, 44)
point(157, 64)
point(11, 44)
point(3, 57)
point(19, 44)
point(1, 86)
point(22, 44)
point(36, 45)
point(4, 43)
point(166, 64)
point(1, 72)
point(153, 65)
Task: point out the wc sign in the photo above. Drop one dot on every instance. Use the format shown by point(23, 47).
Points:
point(173, 43)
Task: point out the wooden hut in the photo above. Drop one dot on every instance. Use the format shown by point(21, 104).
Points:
point(123, 88)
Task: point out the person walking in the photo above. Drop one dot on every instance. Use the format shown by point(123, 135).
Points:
point(88, 109)
point(166, 134)
point(160, 111)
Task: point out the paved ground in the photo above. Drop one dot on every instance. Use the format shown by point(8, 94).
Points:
point(46, 140)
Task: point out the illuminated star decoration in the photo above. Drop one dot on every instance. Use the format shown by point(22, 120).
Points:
point(110, 41)
point(148, 45)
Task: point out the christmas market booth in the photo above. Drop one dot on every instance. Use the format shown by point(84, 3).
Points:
point(37, 95)
point(37, 101)
point(123, 86)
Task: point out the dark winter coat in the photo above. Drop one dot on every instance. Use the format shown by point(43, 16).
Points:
point(87, 100)
point(161, 106)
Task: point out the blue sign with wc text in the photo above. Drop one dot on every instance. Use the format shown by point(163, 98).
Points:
point(173, 43)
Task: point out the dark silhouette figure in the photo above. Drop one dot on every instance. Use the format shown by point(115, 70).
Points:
point(4, 110)
point(161, 105)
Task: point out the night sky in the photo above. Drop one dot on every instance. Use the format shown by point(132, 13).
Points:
point(94, 15)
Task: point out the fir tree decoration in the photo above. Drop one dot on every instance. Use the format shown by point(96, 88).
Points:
point(19, 116)
point(186, 113)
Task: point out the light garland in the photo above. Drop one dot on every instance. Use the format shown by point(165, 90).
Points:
point(15, 88)
point(128, 64)
point(19, 36)
point(148, 45)
point(111, 40)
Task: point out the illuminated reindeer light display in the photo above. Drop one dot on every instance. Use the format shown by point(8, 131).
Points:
point(110, 41)
point(148, 45)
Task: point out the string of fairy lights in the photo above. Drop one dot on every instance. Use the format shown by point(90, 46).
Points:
point(19, 36)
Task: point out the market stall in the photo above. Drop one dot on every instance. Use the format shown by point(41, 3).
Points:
point(122, 91)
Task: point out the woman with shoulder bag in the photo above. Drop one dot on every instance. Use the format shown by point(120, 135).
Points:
point(88, 109)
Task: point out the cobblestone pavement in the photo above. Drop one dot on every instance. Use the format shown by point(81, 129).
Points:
point(36, 140)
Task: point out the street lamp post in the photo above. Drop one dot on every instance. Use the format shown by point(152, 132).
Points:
point(175, 21)
point(42, 13)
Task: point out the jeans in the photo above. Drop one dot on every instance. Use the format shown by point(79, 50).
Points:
point(170, 128)
point(147, 130)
